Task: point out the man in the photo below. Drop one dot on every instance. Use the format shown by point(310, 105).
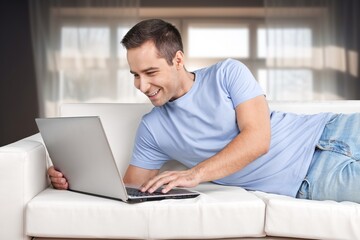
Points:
point(216, 121)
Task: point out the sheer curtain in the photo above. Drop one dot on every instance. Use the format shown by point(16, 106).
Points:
point(78, 55)
point(312, 50)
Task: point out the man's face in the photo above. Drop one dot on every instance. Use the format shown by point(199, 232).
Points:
point(153, 76)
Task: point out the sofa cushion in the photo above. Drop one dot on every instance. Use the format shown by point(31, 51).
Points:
point(219, 212)
point(299, 218)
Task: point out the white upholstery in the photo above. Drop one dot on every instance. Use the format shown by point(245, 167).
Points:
point(344, 106)
point(22, 176)
point(240, 212)
point(29, 208)
point(219, 212)
point(289, 217)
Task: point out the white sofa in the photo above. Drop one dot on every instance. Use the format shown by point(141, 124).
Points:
point(30, 208)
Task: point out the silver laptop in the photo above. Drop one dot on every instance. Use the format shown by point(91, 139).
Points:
point(78, 147)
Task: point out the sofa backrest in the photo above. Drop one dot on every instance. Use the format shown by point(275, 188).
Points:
point(113, 113)
point(339, 106)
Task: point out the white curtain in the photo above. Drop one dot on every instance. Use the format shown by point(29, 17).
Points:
point(312, 50)
point(78, 55)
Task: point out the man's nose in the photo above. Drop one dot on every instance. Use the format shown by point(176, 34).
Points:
point(144, 85)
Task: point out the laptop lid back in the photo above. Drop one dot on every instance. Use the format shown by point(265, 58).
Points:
point(78, 147)
point(120, 122)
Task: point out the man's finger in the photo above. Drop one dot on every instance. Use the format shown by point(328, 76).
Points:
point(58, 180)
point(53, 173)
point(61, 186)
point(157, 182)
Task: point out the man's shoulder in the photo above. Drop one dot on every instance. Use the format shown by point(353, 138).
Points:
point(230, 62)
point(222, 66)
point(154, 115)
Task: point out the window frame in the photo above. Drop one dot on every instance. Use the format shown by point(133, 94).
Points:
point(254, 62)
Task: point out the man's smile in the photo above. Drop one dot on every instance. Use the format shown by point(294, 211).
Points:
point(154, 93)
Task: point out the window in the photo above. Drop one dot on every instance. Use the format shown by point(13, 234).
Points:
point(293, 42)
point(207, 41)
point(287, 84)
point(94, 67)
point(76, 40)
point(92, 64)
point(78, 63)
point(220, 41)
point(291, 47)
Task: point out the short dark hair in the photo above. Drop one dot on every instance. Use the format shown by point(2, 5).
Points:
point(166, 37)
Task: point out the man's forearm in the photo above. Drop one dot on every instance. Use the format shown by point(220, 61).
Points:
point(241, 151)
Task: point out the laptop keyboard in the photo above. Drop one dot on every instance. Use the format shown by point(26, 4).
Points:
point(137, 193)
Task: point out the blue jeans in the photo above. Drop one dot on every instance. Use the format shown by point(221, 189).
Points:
point(334, 173)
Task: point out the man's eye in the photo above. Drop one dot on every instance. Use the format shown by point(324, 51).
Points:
point(151, 73)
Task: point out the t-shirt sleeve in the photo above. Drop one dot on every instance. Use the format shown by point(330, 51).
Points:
point(240, 83)
point(146, 153)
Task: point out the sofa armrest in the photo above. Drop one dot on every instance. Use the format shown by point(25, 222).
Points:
point(23, 167)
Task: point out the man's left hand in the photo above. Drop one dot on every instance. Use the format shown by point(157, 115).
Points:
point(170, 179)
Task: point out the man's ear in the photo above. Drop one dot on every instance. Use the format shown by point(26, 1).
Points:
point(179, 59)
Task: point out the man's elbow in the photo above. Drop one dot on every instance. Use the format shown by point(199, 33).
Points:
point(264, 146)
point(265, 149)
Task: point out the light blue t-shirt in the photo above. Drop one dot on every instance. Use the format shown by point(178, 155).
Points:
point(201, 123)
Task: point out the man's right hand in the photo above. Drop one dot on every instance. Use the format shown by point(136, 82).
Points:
point(57, 179)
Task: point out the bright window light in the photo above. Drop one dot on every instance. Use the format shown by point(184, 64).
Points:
point(121, 31)
point(87, 42)
point(218, 42)
point(289, 84)
point(284, 43)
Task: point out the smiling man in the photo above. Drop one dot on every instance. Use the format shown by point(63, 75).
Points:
point(216, 122)
point(155, 56)
point(154, 77)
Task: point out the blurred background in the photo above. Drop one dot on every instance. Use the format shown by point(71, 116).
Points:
point(60, 51)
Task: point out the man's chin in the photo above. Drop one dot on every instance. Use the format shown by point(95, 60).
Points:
point(158, 103)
